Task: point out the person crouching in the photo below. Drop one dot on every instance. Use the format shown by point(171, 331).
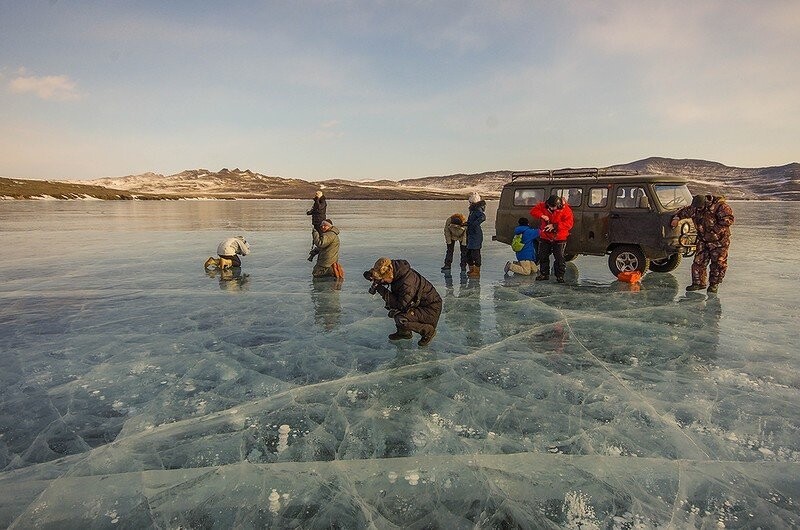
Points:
point(412, 301)
point(326, 248)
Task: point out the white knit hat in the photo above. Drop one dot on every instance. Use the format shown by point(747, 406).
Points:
point(474, 198)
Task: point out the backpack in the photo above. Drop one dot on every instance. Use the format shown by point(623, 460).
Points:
point(516, 243)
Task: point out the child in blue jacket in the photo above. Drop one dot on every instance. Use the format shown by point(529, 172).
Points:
point(526, 258)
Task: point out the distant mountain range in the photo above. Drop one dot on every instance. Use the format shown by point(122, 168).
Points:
point(775, 183)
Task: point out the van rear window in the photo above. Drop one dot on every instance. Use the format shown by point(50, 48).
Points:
point(528, 197)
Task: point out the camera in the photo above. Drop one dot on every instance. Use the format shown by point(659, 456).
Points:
point(314, 252)
point(373, 288)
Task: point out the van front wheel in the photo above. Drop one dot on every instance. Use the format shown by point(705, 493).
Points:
point(668, 264)
point(627, 258)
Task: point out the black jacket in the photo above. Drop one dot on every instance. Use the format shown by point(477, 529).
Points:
point(408, 289)
point(318, 211)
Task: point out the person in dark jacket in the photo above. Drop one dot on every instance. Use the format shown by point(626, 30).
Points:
point(712, 217)
point(477, 207)
point(412, 301)
point(318, 211)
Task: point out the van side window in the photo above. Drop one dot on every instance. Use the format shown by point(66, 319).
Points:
point(630, 197)
point(528, 197)
point(571, 196)
point(598, 197)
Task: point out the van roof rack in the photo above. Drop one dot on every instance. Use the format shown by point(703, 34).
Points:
point(568, 172)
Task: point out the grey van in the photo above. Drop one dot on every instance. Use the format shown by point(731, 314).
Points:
point(617, 213)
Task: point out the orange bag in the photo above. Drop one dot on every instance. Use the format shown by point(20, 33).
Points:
point(629, 276)
point(338, 271)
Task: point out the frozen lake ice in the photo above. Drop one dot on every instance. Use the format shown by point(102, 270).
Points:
point(139, 391)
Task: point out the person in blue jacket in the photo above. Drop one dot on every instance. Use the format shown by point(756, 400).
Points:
point(477, 207)
point(526, 258)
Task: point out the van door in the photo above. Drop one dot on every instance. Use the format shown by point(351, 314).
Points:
point(632, 220)
point(594, 220)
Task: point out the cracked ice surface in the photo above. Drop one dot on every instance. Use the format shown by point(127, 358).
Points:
point(138, 391)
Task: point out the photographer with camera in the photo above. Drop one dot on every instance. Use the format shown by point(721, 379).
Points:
point(326, 248)
point(412, 301)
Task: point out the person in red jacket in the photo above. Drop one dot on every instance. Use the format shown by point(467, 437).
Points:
point(556, 221)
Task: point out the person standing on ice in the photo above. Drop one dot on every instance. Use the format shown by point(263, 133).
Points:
point(412, 301)
point(319, 211)
point(712, 217)
point(477, 207)
point(556, 221)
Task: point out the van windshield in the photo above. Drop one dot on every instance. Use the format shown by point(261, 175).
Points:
point(673, 196)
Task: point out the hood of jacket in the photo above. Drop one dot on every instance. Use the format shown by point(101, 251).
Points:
point(480, 205)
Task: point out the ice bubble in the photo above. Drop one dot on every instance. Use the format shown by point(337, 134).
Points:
point(412, 477)
point(274, 501)
point(392, 476)
point(283, 438)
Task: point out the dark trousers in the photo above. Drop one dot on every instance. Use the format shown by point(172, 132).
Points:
point(474, 256)
point(448, 256)
point(556, 248)
point(422, 319)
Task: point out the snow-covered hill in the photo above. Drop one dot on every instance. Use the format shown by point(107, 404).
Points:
point(779, 182)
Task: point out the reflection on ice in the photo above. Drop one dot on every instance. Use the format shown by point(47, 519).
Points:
point(159, 400)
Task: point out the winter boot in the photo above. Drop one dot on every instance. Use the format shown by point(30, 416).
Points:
point(475, 272)
point(400, 334)
point(428, 332)
point(713, 288)
point(560, 279)
point(540, 277)
point(696, 287)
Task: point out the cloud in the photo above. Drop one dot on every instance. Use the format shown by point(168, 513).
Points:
point(50, 87)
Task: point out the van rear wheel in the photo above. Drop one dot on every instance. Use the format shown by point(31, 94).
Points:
point(626, 258)
point(668, 264)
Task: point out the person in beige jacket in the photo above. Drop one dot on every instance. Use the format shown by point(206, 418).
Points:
point(455, 230)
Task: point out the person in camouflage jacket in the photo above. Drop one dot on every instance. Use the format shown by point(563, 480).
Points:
point(712, 217)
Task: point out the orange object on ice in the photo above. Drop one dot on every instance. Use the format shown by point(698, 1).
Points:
point(629, 276)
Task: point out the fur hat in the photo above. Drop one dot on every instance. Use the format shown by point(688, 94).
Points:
point(523, 221)
point(382, 270)
point(553, 201)
point(457, 219)
point(474, 197)
point(326, 223)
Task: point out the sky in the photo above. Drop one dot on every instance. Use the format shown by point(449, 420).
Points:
point(323, 89)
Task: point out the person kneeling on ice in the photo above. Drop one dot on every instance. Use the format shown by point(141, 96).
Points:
point(229, 252)
point(526, 257)
point(412, 301)
point(326, 248)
